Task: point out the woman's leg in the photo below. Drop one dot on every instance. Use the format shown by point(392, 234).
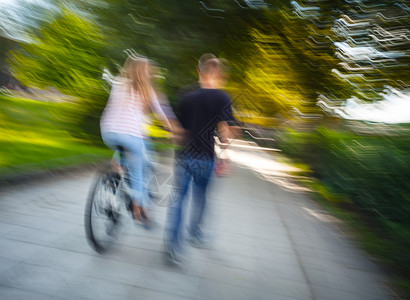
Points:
point(134, 150)
point(134, 155)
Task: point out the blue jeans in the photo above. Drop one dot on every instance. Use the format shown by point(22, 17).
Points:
point(136, 162)
point(187, 169)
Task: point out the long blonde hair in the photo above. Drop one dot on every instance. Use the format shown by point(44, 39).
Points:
point(137, 70)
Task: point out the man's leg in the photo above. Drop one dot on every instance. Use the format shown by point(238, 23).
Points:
point(175, 210)
point(145, 170)
point(202, 170)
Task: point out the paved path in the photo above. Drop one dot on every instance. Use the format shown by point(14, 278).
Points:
point(269, 243)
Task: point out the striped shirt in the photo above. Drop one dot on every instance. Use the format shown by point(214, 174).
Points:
point(124, 112)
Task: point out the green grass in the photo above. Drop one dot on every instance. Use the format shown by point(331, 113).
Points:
point(20, 158)
point(38, 135)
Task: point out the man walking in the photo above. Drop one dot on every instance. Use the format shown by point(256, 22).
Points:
point(201, 112)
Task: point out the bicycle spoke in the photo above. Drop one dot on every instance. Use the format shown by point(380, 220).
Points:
point(103, 215)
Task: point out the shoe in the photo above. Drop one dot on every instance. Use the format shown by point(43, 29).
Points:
point(151, 225)
point(172, 256)
point(136, 212)
point(140, 217)
point(147, 223)
point(199, 241)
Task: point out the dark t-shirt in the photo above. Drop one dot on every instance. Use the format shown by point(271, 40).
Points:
point(182, 93)
point(200, 112)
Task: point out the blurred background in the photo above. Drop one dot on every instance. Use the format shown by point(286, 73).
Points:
point(326, 82)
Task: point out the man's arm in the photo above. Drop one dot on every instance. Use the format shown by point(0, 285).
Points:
point(224, 133)
point(227, 128)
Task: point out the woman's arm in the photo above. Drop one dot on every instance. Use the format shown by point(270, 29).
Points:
point(156, 108)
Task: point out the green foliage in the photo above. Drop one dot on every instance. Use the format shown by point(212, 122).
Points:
point(282, 56)
point(363, 181)
point(38, 135)
point(5, 46)
point(67, 54)
point(296, 143)
point(372, 171)
point(175, 33)
point(284, 70)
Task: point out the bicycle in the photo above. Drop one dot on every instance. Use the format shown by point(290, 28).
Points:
point(109, 198)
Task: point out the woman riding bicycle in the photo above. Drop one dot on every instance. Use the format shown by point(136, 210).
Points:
point(125, 121)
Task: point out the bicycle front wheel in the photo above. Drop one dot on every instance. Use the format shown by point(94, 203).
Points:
point(102, 212)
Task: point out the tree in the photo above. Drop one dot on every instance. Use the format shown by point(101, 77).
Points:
point(68, 53)
point(283, 54)
point(373, 43)
point(175, 33)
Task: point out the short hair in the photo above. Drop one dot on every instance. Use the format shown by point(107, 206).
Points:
point(202, 62)
point(210, 66)
point(224, 66)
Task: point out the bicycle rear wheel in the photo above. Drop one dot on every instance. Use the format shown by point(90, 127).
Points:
point(102, 212)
